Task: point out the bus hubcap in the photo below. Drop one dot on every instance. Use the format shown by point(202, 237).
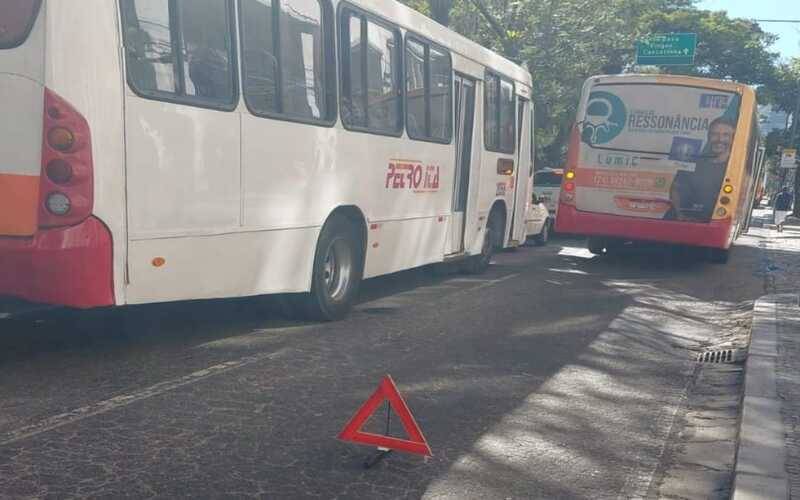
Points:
point(337, 268)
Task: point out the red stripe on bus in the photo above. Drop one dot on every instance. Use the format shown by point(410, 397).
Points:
point(66, 266)
point(717, 233)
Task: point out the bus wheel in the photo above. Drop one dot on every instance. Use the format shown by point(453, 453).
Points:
point(596, 246)
point(337, 271)
point(719, 255)
point(543, 237)
point(480, 263)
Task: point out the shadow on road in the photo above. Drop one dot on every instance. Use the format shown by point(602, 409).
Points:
point(548, 382)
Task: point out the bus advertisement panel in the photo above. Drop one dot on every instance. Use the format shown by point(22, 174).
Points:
point(660, 158)
point(655, 151)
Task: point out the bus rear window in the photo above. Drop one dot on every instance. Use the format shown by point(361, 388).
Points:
point(16, 20)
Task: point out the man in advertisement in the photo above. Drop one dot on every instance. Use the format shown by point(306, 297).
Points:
point(694, 194)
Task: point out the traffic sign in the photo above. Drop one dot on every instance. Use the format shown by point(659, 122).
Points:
point(666, 49)
point(386, 391)
point(789, 158)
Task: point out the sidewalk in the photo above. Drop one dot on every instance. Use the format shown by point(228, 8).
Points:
point(768, 456)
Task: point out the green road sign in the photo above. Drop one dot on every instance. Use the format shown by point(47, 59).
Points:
point(666, 49)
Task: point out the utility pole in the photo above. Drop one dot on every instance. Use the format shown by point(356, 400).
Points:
point(793, 144)
point(793, 134)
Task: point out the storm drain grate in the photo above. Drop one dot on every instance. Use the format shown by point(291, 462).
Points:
point(723, 356)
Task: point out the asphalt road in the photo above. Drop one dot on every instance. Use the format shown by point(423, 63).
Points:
point(555, 374)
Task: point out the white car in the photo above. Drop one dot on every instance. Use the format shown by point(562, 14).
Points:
point(538, 222)
point(547, 186)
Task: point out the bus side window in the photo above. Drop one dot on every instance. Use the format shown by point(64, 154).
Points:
point(193, 64)
point(284, 65)
point(490, 114)
point(383, 92)
point(428, 91)
point(354, 111)
point(441, 70)
point(148, 40)
point(258, 56)
point(507, 108)
point(205, 44)
point(415, 89)
point(371, 95)
point(499, 114)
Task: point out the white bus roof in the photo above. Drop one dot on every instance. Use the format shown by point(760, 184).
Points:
point(409, 19)
point(666, 78)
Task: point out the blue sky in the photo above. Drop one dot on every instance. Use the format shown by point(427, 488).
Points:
point(789, 43)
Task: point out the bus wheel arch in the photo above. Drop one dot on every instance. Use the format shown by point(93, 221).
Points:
point(498, 216)
point(338, 265)
point(493, 236)
point(356, 217)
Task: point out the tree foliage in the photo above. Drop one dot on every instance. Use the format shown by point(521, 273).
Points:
point(563, 42)
point(736, 49)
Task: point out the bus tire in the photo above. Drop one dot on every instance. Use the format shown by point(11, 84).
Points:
point(337, 272)
point(478, 264)
point(543, 237)
point(719, 255)
point(596, 246)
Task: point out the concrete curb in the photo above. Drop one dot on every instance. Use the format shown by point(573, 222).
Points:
point(760, 470)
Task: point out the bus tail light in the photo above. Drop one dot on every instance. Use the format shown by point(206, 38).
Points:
point(61, 139)
point(58, 204)
point(66, 193)
point(568, 186)
point(721, 212)
point(59, 171)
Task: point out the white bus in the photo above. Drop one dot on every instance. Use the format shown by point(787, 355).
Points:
point(163, 150)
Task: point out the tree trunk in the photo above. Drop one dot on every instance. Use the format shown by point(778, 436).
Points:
point(440, 11)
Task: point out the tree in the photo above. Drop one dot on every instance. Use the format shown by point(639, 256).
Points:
point(563, 42)
point(727, 49)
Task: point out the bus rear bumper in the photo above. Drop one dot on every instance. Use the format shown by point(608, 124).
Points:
point(715, 234)
point(64, 266)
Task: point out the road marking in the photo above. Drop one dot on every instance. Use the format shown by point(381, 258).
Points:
point(495, 282)
point(84, 412)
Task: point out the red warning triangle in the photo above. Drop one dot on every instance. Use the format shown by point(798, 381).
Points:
point(386, 391)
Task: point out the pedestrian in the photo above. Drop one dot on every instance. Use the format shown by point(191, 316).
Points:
point(783, 207)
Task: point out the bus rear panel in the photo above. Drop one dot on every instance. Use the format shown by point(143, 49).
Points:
point(52, 249)
point(657, 159)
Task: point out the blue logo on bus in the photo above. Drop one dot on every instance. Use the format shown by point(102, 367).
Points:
point(605, 118)
point(714, 101)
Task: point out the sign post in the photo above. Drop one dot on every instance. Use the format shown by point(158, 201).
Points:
point(666, 49)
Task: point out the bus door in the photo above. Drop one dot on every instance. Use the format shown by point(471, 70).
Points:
point(522, 174)
point(465, 120)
